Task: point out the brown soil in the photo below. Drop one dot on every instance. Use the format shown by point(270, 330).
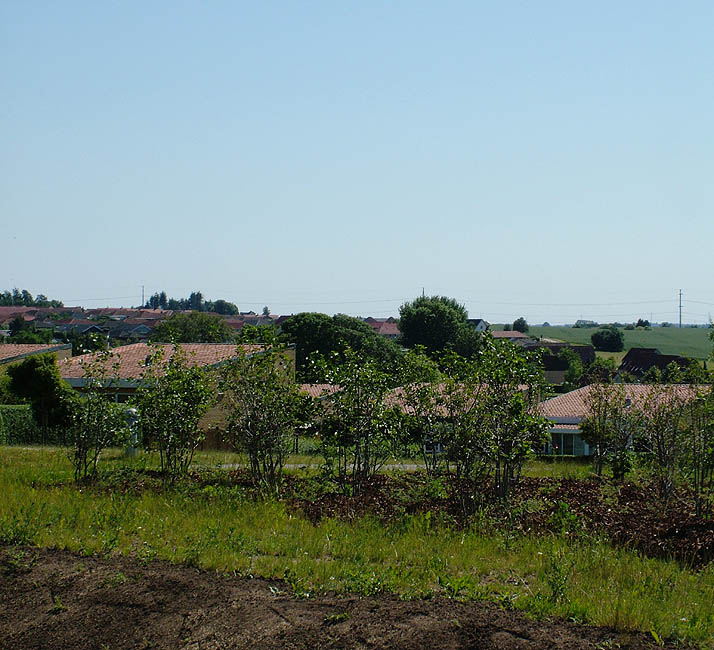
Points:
point(53, 599)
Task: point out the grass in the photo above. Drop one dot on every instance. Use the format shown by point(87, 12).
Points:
point(224, 529)
point(688, 341)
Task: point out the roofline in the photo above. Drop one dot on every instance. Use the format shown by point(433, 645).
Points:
point(54, 348)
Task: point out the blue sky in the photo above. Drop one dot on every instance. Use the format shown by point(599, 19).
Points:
point(551, 159)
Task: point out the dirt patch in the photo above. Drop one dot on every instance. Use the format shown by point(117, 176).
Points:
point(53, 599)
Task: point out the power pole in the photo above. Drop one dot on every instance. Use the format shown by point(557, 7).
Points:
point(680, 309)
point(142, 295)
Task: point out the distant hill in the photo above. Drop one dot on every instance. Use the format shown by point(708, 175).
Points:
point(688, 341)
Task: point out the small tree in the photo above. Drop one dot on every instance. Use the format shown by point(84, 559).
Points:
point(359, 428)
point(193, 327)
point(171, 400)
point(264, 407)
point(609, 426)
point(699, 459)
point(520, 325)
point(97, 421)
point(575, 370)
point(419, 376)
point(38, 380)
point(608, 339)
point(662, 415)
point(514, 429)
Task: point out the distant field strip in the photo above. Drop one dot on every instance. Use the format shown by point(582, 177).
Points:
point(688, 341)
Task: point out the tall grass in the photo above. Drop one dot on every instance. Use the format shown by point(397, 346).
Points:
point(224, 529)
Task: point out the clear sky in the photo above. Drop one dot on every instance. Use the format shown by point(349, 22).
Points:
point(547, 159)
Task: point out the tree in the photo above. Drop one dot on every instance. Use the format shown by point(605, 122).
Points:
point(661, 416)
point(24, 298)
point(262, 334)
point(434, 322)
point(419, 379)
point(358, 427)
point(17, 325)
point(699, 454)
point(195, 301)
point(514, 381)
point(38, 380)
point(225, 308)
point(575, 370)
point(171, 400)
point(163, 300)
point(322, 335)
point(641, 322)
point(193, 327)
point(608, 339)
point(609, 426)
point(97, 421)
point(264, 406)
point(266, 311)
point(32, 336)
point(520, 325)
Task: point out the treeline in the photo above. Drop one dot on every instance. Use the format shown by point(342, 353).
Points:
point(24, 298)
point(195, 302)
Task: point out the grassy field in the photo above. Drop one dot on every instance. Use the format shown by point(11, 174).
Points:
point(688, 341)
point(219, 527)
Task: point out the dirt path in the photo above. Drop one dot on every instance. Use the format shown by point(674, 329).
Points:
point(56, 600)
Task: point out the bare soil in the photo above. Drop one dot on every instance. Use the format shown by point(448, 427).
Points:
point(52, 599)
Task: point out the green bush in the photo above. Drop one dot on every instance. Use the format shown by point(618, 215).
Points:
point(17, 426)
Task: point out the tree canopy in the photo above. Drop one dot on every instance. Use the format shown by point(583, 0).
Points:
point(17, 298)
point(195, 301)
point(37, 379)
point(520, 325)
point(438, 323)
point(193, 327)
point(608, 339)
point(315, 333)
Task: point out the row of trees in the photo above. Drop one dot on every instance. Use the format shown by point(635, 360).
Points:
point(24, 298)
point(195, 302)
point(670, 426)
point(480, 412)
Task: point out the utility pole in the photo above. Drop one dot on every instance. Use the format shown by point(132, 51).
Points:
point(142, 295)
point(680, 309)
point(422, 292)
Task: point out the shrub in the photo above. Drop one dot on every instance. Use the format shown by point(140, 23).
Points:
point(97, 421)
point(18, 426)
point(608, 339)
point(171, 400)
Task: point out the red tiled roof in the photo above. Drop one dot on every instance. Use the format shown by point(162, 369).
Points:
point(131, 358)
point(18, 350)
point(319, 390)
point(574, 403)
point(387, 329)
point(509, 334)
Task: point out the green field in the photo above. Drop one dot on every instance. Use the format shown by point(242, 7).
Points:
point(688, 341)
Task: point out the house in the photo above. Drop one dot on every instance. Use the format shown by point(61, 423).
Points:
point(514, 336)
point(131, 362)
point(11, 352)
point(566, 413)
point(638, 361)
point(479, 324)
point(553, 365)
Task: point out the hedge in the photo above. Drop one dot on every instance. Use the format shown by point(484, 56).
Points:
point(18, 427)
